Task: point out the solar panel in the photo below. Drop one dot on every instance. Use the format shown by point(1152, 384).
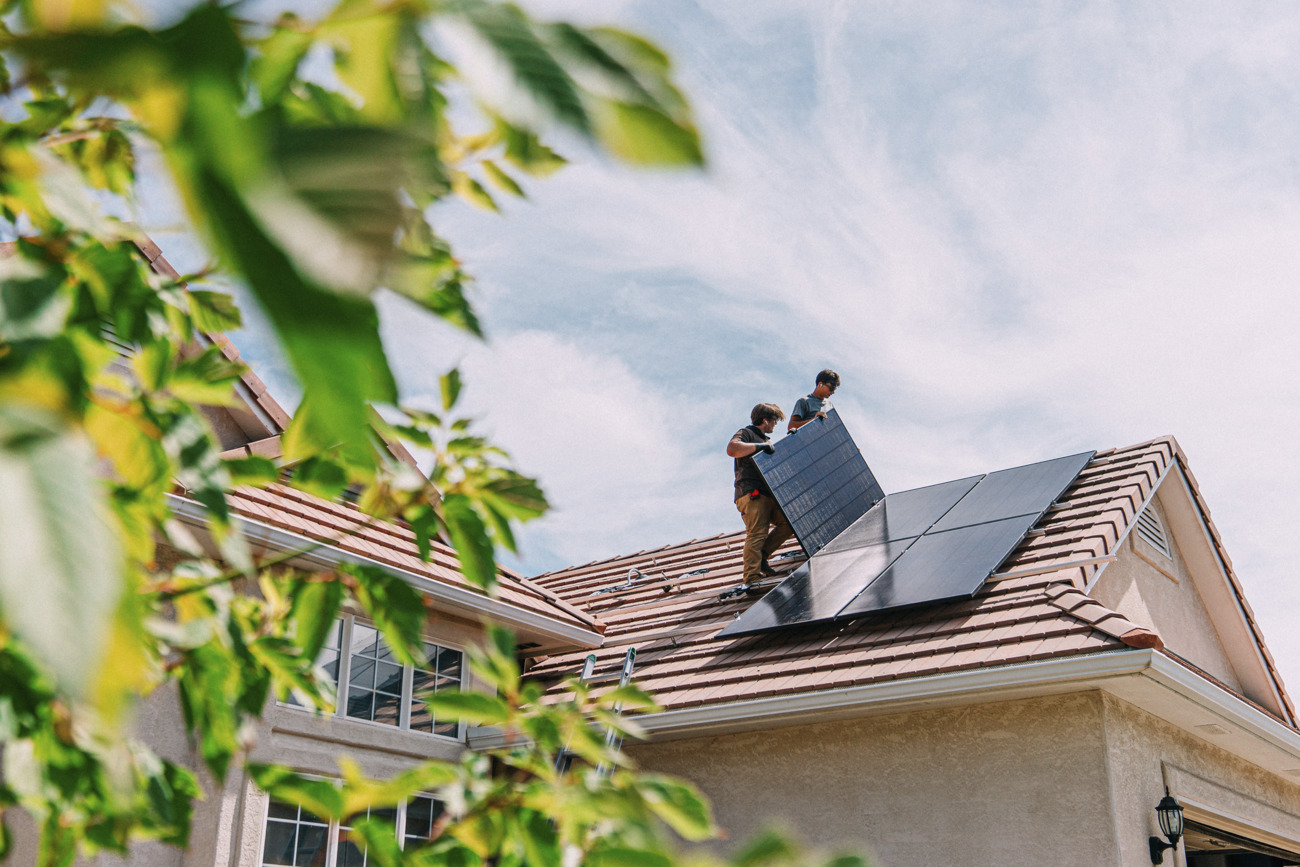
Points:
point(1026, 490)
point(821, 481)
point(819, 589)
point(903, 515)
point(944, 565)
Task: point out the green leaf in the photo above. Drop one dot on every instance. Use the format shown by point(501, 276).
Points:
point(450, 384)
point(379, 841)
point(31, 303)
point(397, 609)
point(367, 43)
point(60, 564)
point(502, 180)
point(679, 804)
point(339, 207)
point(469, 538)
point(332, 340)
point(646, 135)
point(473, 192)
point(315, 607)
point(279, 55)
point(515, 496)
point(471, 708)
point(625, 856)
point(214, 311)
point(252, 470)
point(319, 797)
point(526, 151)
point(535, 80)
point(361, 792)
point(766, 847)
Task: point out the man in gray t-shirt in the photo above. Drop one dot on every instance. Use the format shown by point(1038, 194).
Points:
point(816, 404)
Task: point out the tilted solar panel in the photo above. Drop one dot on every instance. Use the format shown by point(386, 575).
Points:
point(821, 481)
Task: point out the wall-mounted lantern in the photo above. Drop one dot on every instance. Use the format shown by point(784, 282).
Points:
point(1170, 814)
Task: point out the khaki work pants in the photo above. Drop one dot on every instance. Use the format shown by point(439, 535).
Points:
point(760, 514)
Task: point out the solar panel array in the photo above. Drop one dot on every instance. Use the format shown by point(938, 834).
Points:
point(923, 545)
point(821, 481)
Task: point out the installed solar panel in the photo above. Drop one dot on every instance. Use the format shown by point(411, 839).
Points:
point(1026, 490)
point(821, 481)
point(819, 589)
point(924, 545)
point(942, 565)
point(903, 515)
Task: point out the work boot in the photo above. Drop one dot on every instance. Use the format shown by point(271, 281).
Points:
point(766, 568)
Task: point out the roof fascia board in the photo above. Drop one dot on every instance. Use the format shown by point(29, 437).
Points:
point(1227, 707)
point(456, 599)
point(1242, 621)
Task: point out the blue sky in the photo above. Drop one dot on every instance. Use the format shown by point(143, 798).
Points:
point(1016, 232)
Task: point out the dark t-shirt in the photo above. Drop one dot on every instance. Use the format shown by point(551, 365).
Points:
point(748, 478)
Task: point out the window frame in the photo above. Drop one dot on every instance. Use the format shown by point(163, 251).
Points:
point(343, 684)
point(333, 827)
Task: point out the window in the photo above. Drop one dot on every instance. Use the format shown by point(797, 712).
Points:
point(296, 838)
point(375, 687)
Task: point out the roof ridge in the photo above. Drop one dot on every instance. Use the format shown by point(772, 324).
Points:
point(1081, 606)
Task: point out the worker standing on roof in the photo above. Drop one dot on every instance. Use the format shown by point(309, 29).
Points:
point(817, 403)
point(765, 524)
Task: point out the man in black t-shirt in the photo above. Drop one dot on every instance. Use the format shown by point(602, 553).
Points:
point(765, 523)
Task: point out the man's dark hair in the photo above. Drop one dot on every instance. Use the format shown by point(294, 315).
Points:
point(764, 411)
point(829, 377)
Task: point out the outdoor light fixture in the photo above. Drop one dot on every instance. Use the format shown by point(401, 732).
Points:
point(1170, 814)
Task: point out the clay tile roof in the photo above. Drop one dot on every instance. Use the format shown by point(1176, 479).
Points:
point(1034, 608)
point(345, 527)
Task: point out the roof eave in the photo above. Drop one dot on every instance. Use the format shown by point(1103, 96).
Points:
point(552, 633)
point(1145, 678)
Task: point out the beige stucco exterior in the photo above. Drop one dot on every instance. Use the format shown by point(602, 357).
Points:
point(1161, 594)
point(1066, 780)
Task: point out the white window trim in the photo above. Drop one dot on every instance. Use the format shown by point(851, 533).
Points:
point(408, 680)
point(332, 826)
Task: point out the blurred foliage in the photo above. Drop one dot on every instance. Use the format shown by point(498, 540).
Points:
point(309, 156)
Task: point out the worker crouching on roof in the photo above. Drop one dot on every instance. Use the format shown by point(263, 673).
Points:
point(765, 523)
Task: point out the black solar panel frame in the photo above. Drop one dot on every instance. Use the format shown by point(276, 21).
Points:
point(820, 508)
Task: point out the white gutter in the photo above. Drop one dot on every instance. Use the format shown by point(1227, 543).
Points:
point(461, 600)
point(1142, 677)
point(983, 684)
point(1219, 701)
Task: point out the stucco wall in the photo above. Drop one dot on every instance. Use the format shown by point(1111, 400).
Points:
point(975, 786)
point(1168, 603)
point(1145, 754)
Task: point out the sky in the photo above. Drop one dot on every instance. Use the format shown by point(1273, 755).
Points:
point(1017, 231)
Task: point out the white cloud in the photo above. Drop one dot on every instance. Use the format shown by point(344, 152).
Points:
point(1017, 234)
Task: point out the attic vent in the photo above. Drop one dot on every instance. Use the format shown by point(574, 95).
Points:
point(1153, 532)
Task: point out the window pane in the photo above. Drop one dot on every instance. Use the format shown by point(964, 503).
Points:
point(448, 729)
point(449, 662)
point(363, 672)
point(364, 639)
point(311, 845)
point(349, 855)
point(361, 704)
point(387, 708)
point(388, 678)
point(421, 814)
point(277, 848)
point(421, 719)
point(281, 810)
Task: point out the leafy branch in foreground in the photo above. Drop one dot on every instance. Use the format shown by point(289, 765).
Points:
point(310, 156)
